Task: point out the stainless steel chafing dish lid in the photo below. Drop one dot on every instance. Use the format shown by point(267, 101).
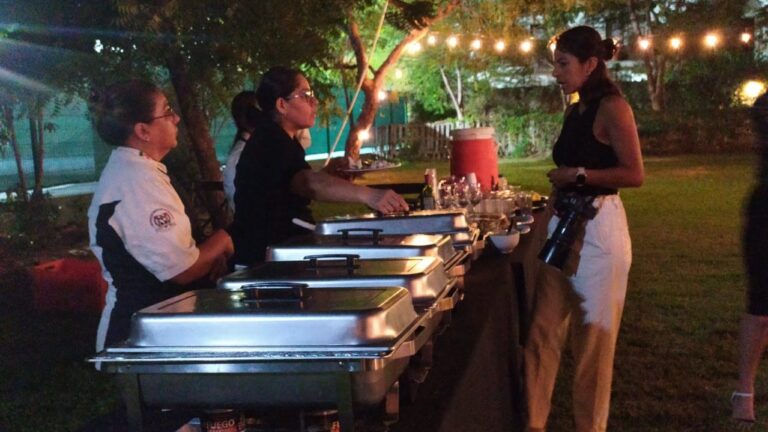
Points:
point(416, 222)
point(367, 247)
point(465, 238)
point(423, 277)
point(287, 317)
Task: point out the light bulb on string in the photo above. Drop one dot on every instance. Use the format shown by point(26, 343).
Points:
point(414, 48)
point(711, 40)
point(745, 37)
point(452, 41)
point(644, 43)
point(476, 44)
point(526, 46)
point(500, 46)
point(676, 43)
point(431, 40)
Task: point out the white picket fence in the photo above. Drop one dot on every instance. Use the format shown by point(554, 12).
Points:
point(431, 141)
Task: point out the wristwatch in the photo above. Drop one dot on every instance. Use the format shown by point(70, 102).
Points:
point(581, 176)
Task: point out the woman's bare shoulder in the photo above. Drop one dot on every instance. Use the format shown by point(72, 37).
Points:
point(615, 107)
point(614, 102)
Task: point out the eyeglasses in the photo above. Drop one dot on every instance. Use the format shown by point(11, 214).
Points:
point(169, 112)
point(308, 96)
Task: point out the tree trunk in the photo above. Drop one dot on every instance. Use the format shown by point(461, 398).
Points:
point(657, 93)
point(35, 118)
point(39, 151)
point(348, 101)
point(364, 120)
point(655, 62)
point(199, 136)
point(371, 86)
point(8, 117)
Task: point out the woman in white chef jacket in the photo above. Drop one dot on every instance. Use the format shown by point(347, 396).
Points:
point(137, 225)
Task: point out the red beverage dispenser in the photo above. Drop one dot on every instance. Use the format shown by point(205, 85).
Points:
point(474, 150)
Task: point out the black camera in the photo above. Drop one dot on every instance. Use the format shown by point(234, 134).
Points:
point(574, 211)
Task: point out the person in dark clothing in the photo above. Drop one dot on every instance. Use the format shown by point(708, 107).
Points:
point(243, 108)
point(274, 184)
point(753, 334)
point(136, 221)
point(597, 153)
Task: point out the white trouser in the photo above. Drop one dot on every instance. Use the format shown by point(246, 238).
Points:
point(588, 305)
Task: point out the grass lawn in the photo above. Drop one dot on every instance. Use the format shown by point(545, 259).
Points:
point(676, 358)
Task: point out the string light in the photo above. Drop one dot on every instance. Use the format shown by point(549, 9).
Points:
point(364, 135)
point(676, 43)
point(414, 47)
point(382, 95)
point(526, 46)
point(711, 40)
point(644, 43)
point(398, 73)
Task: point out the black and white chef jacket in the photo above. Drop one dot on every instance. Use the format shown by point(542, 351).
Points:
point(141, 237)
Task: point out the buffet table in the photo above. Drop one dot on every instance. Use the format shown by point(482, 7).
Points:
point(475, 383)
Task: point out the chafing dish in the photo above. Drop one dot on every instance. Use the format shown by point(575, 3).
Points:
point(373, 246)
point(452, 222)
point(269, 346)
point(423, 277)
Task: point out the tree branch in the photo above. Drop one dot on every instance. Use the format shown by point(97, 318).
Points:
point(353, 31)
point(412, 36)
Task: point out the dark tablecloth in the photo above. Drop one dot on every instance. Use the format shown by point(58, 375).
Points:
point(474, 384)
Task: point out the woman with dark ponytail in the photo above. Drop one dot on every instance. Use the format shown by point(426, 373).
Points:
point(274, 184)
point(597, 153)
point(245, 110)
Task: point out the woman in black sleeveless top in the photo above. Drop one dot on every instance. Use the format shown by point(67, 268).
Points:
point(597, 153)
point(753, 335)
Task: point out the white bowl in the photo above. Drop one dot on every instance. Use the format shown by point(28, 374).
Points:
point(505, 242)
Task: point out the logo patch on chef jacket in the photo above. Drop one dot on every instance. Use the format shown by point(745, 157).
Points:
point(161, 220)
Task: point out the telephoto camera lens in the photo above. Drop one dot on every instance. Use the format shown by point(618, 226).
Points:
point(558, 247)
point(574, 211)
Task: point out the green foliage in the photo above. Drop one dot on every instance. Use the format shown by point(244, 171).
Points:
point(706, 83)
point(532, 134)
point(712, 130)
point(31, 225)
point(411, 15)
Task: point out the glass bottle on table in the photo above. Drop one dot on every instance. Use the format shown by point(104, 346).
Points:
point(502, 184)
point(427, 192)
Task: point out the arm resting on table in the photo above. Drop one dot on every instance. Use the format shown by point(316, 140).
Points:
point(213, 252)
